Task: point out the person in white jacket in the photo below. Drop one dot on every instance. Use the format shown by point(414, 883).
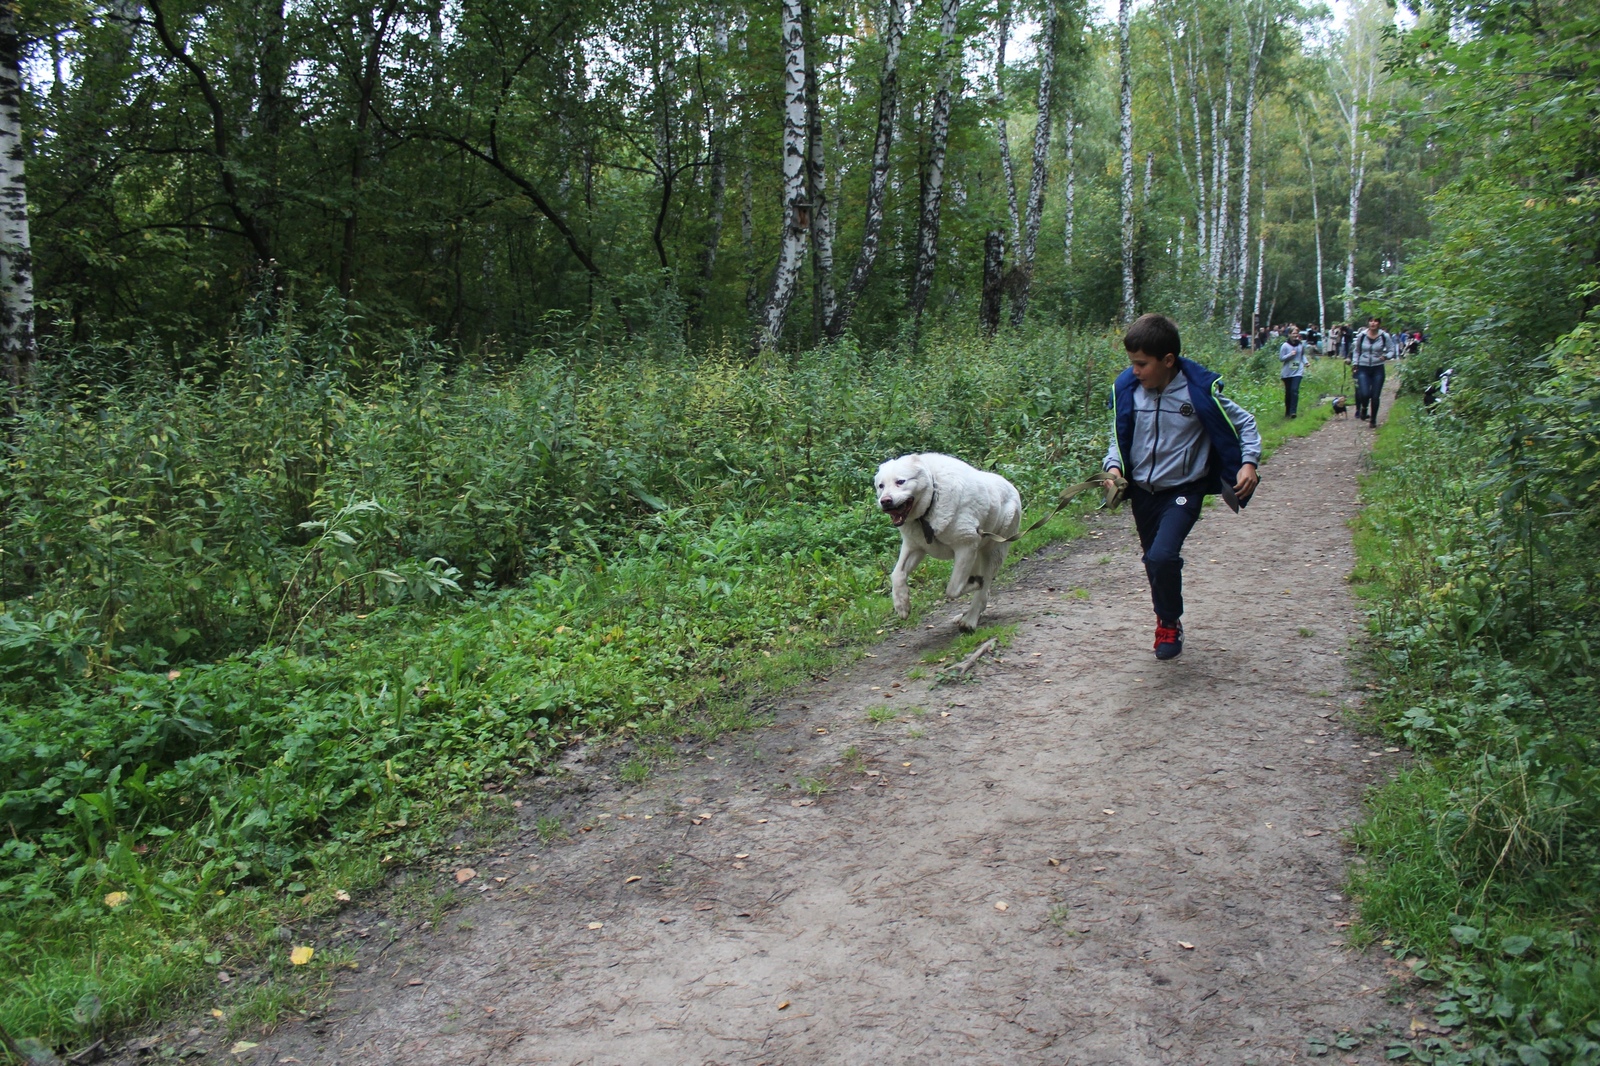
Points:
point(1292, 354)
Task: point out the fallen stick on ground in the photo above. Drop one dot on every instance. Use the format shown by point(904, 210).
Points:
point(972, 660)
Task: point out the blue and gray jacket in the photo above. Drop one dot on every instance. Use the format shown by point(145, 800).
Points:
point(1187, 432)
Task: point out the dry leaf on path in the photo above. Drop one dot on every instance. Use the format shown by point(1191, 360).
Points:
point(116, 899)
point(465, 874)
point(784, 1005)
point(241, 1047)
point(1002, 905)
point(596, 925)
point(342, 896)
point(1185, 945)
point(632, 879)
point(301, 955)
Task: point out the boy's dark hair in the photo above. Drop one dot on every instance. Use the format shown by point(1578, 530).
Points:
point(1155, 335)
point(1375, 318)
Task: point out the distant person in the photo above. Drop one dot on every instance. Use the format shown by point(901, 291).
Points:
point(1345, 333)
point(1176, 439)
point(1292, 354)
point(1370, 352)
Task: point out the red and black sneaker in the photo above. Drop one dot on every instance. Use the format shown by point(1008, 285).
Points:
point(1169, 639)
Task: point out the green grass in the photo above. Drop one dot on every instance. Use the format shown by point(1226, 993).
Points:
point(1482, 859)
point(227, 786)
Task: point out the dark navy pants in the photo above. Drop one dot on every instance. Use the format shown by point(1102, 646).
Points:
point(1369, 387)
point(1163, 520)
point(1291, 396)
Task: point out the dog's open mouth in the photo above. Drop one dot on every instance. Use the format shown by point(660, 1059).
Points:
point(897, 515)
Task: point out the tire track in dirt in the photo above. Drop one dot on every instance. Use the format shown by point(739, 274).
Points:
point(1197, 802)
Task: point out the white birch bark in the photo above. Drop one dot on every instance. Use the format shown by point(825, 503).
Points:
point(1071, 195)
point(796, 224)
point(16, 248)
point(1041, 169)
point(1224, 169)
point(933, 181)
point(877, 181)
point(1125, 67)
point(1316, 224)
point(1201, 246)
point(1256, 41)
point(1261, 262)
point(1001, 117)
point(1354, 86)
point(817, 187)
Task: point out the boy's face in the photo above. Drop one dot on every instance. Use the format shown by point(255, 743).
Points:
point(1152, 372)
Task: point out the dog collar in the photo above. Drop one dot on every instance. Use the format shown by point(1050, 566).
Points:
point(927, 527)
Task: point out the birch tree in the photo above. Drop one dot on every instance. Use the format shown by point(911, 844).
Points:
point(1354, 84)
point(1001, 135)
point(817, 185)
point(1125, 71)
point(1071, 195)
point(796, 226)
point(16, 247)
point(933, 176)
point(878, 179)
point(1316, 223)
point(1256, 39)
point(1041, 169)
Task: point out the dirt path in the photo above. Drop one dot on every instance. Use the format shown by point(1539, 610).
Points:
point(717, 915)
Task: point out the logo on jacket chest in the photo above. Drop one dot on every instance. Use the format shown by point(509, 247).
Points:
point(1186, 409)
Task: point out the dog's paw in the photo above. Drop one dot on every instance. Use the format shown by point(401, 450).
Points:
point(902, 605)
point(966, 626)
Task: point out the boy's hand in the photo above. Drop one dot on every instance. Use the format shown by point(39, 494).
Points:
point(1246, 482)
point(1114, 471)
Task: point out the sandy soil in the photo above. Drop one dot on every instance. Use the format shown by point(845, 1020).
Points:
point(1078, 856)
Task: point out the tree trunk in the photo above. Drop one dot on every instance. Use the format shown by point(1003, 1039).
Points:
point(1072, 196)
point(1125, 65)
point(994, 265)
point(1224, 167)
point(16, 248)
point(1257, 41)
point(1261, 263)
point(933, 178)
point(817, 188)
point(1000, 129)
point(719, 168)
point(796, 216)
point(1041, 171)
point(878, 180)
point(1202, 245)
point(367, 80)
point(1316, 224)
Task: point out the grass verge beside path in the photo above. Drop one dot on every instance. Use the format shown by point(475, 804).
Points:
point(166, 824)
point(1483, 859)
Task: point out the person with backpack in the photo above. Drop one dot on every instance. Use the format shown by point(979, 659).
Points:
point(1370, 352)
point(1292, 354)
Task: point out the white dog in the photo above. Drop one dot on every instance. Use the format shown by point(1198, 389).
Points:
point(939, 505)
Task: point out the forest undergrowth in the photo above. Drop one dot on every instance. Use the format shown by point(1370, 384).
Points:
point(1476, 545)
point(273, 633)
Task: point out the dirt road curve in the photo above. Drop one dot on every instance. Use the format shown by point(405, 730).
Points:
point(914, 912)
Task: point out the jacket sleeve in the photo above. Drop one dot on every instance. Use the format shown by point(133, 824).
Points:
point(1249, 435)
point(1113, 453)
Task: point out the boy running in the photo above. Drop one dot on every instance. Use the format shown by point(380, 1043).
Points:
point(1176, 439)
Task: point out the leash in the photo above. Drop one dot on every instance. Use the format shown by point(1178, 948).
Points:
point(1116, 489)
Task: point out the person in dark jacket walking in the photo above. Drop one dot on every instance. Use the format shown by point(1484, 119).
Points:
point(1176, 439)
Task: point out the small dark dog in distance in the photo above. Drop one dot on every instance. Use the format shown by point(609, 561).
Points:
point(1340, 408)
point(1438, 390)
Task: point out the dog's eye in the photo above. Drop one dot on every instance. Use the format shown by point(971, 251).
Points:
point(900, 481)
